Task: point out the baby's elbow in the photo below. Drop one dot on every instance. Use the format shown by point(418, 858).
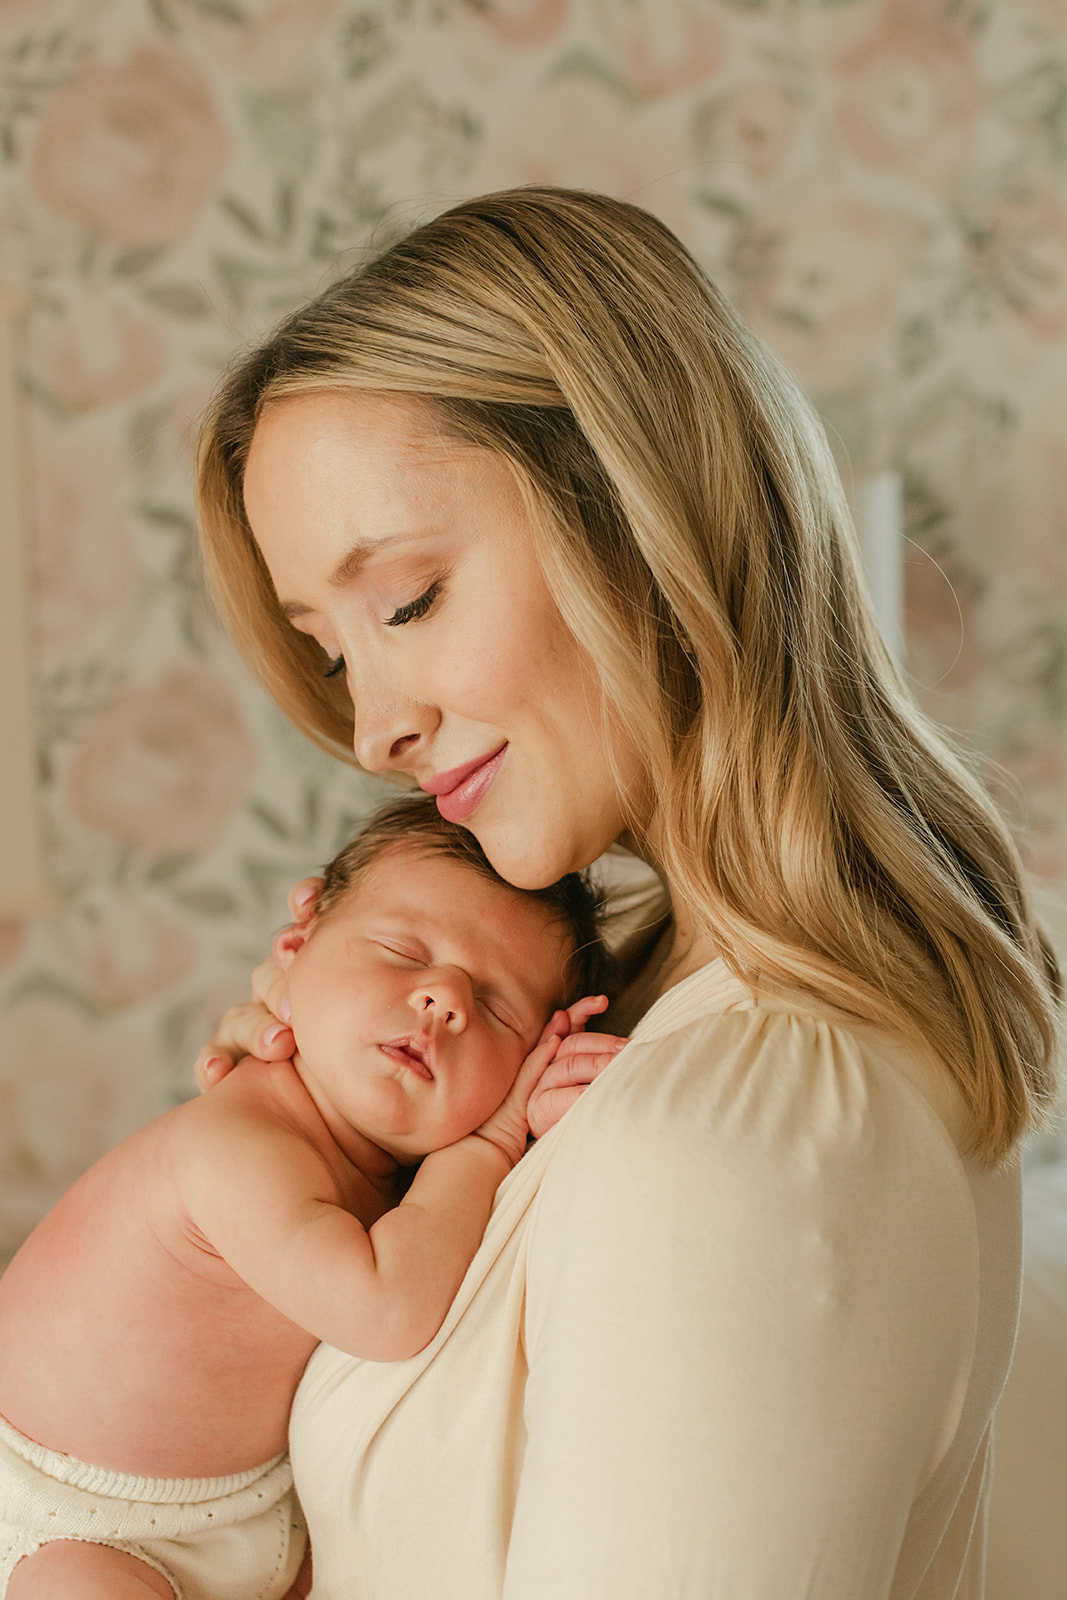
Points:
point(397, 1337)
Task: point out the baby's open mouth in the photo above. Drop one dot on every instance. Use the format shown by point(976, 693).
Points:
point(414, 1053)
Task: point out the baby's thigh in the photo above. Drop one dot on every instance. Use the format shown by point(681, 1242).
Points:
point(73, 1567)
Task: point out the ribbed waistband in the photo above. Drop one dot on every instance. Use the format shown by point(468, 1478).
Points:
point(125, 1485)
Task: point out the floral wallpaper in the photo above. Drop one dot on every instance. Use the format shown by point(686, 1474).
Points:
point(880, 184)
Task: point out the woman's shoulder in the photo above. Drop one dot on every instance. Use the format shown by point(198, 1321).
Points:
point(761, 1128)
point(761, 1080)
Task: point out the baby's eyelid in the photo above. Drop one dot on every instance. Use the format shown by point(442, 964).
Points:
point(500, 1015)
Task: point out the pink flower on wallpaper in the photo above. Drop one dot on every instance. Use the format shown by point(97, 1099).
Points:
point(133, 151)
point(164, 767)
point(84, 564)
point(100, 355)
point(149, 953)
point(909, 99)
point(522, 21)
point(663, 46)
point(12, 935)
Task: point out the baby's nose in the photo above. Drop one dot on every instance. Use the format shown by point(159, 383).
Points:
point(442, 997)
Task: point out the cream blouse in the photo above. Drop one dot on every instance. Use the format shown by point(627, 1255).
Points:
point(736, 1331)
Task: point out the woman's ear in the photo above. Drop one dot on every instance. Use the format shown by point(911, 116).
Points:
point(288, 942)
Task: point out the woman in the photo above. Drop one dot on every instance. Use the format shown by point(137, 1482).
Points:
point(523, 513)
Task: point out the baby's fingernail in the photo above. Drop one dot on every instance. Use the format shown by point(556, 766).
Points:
point(304, 897)
point(285, 1010)
point(211, 1066)
point(272, 1035)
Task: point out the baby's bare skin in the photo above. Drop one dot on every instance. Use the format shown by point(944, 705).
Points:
point(158, 1321)
point(125, 1339)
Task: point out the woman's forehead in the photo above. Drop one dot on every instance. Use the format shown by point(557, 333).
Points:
point(330, 474)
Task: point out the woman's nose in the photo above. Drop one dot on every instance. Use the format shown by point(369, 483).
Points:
point(389, 730)
point(443, 998)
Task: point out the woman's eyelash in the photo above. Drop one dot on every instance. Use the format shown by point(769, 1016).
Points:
point(335, 669)
point(414, 608)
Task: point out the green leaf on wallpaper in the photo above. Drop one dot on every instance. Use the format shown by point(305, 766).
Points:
point(208, 901)
point(723, 205)
point(138, 258)
point(46, 986)
point(168, 517)
point(236, 277)
point(312, 811)
point(225, 10)
point(270, 820)
point(277, 232)
point(244, 218)
point(163, 15)
point(166, 867)
point(269, 881)
point(284, 127)
point(144, 430)
point(583, 64)
point(197, 623)
point(1037, 99)
point(364, 44)
point(180, 299)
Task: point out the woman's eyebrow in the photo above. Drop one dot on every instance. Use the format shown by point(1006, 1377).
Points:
point(350, 564)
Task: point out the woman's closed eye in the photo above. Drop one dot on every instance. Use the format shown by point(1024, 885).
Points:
point(336, 667)
point(414, 610)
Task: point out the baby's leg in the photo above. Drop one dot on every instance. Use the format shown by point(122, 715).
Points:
point(72, 1569)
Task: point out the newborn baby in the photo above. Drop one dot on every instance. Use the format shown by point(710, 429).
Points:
point(155, 1325)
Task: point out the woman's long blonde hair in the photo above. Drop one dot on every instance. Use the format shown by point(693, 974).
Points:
point(694, 531)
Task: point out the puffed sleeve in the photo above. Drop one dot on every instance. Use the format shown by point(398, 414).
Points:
point(751, 1302)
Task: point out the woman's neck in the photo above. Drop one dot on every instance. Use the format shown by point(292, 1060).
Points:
point(665, 948)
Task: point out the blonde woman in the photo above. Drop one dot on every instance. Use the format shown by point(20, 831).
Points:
point(523, 514)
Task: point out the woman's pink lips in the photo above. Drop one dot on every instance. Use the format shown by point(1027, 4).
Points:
point(460, 792)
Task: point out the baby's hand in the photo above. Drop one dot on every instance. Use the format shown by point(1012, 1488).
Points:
point(562, 1063)
point(577, 1059)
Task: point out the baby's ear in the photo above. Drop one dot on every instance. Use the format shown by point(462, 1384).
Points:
point(288, 942)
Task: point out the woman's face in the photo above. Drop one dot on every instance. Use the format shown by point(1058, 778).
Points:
point(411, 557)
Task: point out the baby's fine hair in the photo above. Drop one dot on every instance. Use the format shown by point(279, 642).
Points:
point(415, 822)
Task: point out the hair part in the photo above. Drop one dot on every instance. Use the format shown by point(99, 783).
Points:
point(415, 823)
point(693, 530)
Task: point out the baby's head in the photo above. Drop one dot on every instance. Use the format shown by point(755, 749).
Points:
point(425, 979)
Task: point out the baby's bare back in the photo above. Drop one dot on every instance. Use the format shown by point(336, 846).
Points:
point(125, 1339)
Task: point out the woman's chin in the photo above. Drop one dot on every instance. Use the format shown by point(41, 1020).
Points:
point(528, 860)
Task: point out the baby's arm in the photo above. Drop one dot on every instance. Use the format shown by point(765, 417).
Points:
point(423, 1248)
point(264, 1198)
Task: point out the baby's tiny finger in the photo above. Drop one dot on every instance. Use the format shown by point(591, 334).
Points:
point(303, 897)
point(210, 1068)
point(277, 1043)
